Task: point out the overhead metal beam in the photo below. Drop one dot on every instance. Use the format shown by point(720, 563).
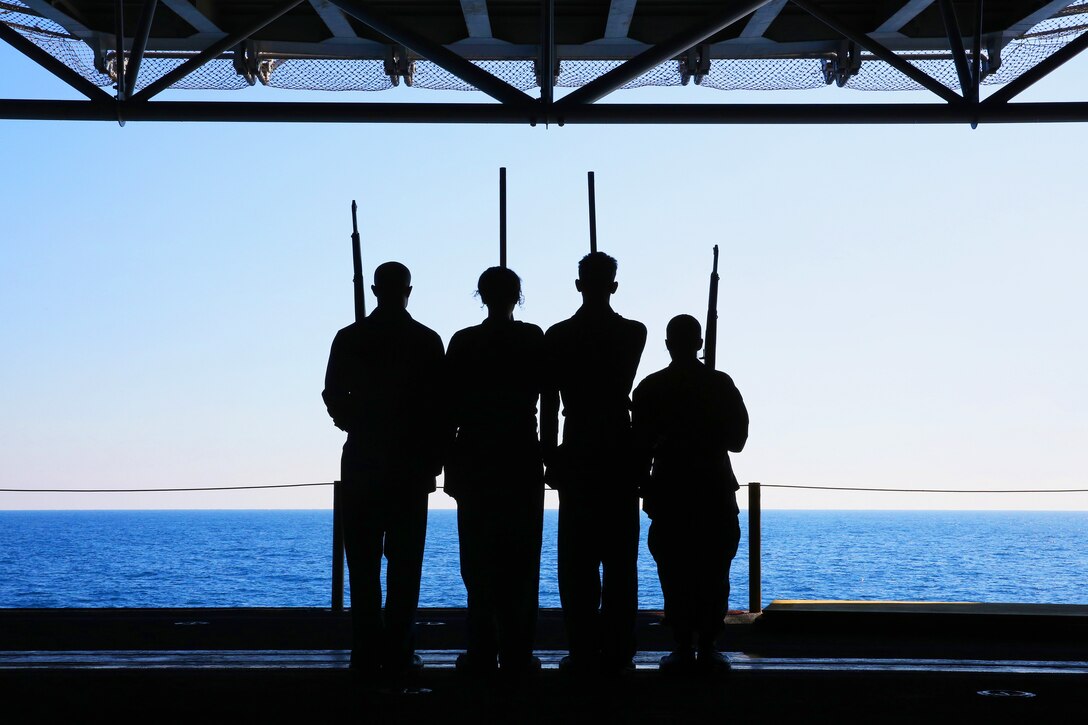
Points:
point(139, 44)
point(879, 51)
point(616, 49)
point(188, 12)
point(955, 44)
point(620, 13)
point(903, 16)
point(477, 20)
point(658, 54)
point(72, 25)
point(54, 66)
point(547, 52)
point(214, 51)
point(119, 45)
point(441, 56)
point(762, 19)
point(1035, 18)
point(976, 51)
point(1029, 78)
point(334, 19)
point(492, 113)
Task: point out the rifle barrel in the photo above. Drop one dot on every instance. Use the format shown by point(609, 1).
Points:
point(502, 216)
point(357, 265)
point(710, 345)
point(592, 214)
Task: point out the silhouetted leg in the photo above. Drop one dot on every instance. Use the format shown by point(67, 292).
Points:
point(363, 533)
point(475, 525)
point(722, 537)
point(620, 523)
point(404, 541)
point(579, 575)
point(663, 546)
point(520, 560)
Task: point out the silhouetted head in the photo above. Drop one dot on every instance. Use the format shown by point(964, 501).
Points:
point(597, 277)
point(499, 286)
point(683, 337)
point(392, 284)
point(500, 289)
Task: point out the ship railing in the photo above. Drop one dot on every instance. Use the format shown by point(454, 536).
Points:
point(755, 589)
point(755, 592)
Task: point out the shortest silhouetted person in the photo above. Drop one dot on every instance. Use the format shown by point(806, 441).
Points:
point(383, 386)
point(686, 420)
point(496, 474)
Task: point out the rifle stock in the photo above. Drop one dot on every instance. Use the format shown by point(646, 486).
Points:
point(710, 344)
point(357, 265)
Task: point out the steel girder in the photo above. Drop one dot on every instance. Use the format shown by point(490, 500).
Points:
point(579, 106)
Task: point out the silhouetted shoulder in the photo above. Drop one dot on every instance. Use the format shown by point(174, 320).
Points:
point(725, 388)
point(530, 334)
point(637, 329)
point(346, 334)
point(530, 329)
point(558, 331)
point(423, 333)
point(432, 338)
point(465, 339)
point(652, 382)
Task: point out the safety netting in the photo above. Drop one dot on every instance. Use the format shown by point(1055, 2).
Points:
point(54, 40)
point(849, 67)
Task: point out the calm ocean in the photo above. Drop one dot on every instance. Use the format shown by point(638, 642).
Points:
point(282, 558)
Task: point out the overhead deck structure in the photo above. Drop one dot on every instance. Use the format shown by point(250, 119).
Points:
point(546, 61)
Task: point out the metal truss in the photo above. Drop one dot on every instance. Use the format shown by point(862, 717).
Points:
point(689, 47)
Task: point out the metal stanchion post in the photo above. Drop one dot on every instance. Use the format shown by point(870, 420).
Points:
point(337, 551)
point(755, 574)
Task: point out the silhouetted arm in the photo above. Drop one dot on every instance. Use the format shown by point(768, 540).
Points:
point(737, 434)
point(644, 436)
point(337, 393)
point(637, 346)
point(549, 422)
point(549, 401)
point(438, 394)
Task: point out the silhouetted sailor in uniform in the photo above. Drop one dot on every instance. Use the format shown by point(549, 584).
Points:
point(383, 386)
point(687, 418)
point(496, 474)
point(591, 360)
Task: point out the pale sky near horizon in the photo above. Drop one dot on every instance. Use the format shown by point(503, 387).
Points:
point(901, 306)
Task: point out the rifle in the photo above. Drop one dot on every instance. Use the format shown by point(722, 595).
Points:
point(337, 504)
point(502, 216)
point(357, 264)
point(711, 335)
point(592, 214)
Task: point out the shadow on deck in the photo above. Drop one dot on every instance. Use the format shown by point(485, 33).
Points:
point(807, 661)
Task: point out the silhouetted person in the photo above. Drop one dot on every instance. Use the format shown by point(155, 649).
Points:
point(496, 474)
point(383, 386)
point(686, 420)
point(591, 361)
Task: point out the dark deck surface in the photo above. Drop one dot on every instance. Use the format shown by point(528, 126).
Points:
point(802, 662)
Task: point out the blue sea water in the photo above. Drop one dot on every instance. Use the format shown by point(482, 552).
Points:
point(283, 558)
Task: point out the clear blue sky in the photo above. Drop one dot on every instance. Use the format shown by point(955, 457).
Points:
point(900, 306)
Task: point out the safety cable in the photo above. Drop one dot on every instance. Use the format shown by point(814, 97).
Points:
point(743, 485)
